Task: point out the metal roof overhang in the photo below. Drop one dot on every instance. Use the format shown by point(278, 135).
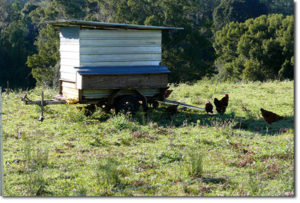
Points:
point(103, 25)
point(122, 70)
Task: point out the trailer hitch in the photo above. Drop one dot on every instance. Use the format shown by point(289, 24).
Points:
point(41, 103)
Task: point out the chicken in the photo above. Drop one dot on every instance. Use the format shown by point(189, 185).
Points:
point(88, 110)
point(172, 109)
point(208, 107)
point(270, 117)
point(155, 104)
point(222, 104)
point(167, 93)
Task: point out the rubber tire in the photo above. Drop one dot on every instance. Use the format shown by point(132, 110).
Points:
point(128, 104)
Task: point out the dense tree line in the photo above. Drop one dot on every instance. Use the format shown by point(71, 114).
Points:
point(258, 49)
point(29, 48)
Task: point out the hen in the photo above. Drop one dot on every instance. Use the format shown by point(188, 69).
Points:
point(222, 104)
point(208, 107)
point(88, 110)
point(270, 117)
point(172, 109)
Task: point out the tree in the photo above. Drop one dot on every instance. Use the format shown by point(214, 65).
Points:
point(75, 8)
point(14, 51)
point(237, 11)
point(285, 7)
point(258, 49)
point(45, 63)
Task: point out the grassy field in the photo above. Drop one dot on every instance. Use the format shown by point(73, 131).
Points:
point(191, 154)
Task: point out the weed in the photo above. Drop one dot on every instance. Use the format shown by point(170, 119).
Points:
point(36, 183)
point(169, 157)
point(74, 115)
point(254, 184)
point(107, 173)
point(35, 161)
point(98, 142)
point(35, 158)
point(196, 164)
point(122, 122)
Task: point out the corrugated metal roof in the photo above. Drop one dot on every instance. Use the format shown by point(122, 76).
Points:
point(122, 70)
point(94, 24)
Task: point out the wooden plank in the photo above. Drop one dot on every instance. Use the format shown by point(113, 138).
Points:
point(119, 33)
point(154, 57)
point(69, 62)
point(69, 84)
point(117, 42)
point(104, 93)
point(68, 92)
point(69, 55)
point(93, 82)
point(68, 69)
point(119, 49)
point(68, 76)
point(69, 48)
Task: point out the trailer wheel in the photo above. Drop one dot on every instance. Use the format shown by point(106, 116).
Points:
point(127, 104)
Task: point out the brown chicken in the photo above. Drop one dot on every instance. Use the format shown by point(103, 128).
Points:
point(167, 93)
point(222, 104)
point(88, 110)
point(172, 109)
point(270, 117)
point(208, 107)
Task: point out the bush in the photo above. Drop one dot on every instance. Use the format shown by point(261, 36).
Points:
point(258, 49)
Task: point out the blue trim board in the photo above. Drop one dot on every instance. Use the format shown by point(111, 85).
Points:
point(122, 70)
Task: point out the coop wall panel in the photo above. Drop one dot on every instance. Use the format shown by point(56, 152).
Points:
point(65, 76)
point(93, 82)
point(104, 93)
point(67, 69)
point(69, 52)
point(119, 47)
point(98, 50)
point(70, 92)
point(69, 84)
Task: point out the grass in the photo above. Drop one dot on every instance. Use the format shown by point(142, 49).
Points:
point(191, 154)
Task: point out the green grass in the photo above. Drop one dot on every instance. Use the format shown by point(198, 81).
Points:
point(191, 154)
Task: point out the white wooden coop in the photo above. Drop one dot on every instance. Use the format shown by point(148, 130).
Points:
point(97, 58)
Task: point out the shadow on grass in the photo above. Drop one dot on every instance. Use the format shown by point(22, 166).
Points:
point(184, 118)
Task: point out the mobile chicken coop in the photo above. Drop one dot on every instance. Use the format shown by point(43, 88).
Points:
point(110, 65)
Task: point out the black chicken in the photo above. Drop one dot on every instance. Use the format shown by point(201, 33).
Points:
point(222, 104)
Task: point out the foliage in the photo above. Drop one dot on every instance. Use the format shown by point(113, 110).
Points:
point(44, 64)
point(193, 154)
point(14, 47)
point(188, 53)
point(237, 11)
point(285, 7)
point(258, 49)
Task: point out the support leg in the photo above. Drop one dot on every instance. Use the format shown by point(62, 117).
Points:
point(41, 118)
